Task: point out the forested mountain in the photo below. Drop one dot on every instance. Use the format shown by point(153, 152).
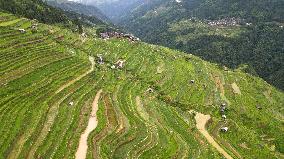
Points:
point(41, 11)
point(87, 10)
point(116, 9)
point(230, 32)
point(34, 9)
point(252, 11)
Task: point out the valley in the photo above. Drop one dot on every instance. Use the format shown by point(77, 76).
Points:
point(66, 92)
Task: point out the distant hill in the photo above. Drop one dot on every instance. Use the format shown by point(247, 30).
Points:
point(252, 11)
point(246, 32)
point(87, 10)
point(34, 9)
point(41, 11)
point(115, 9)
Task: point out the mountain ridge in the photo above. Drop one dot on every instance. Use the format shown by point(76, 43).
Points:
point(79, 8)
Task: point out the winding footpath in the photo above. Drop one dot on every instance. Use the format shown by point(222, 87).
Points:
point(92, 124)
point(53, 111)
point(92, 60)
point(201, 121)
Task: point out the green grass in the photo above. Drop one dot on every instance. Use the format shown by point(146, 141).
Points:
point(9, 22)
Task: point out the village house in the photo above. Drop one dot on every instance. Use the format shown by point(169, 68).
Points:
point(120, 64)
point(225, 22)
point(223, 108)
point(22, 30)
point(150, 90)
point(100, 59)
point(108, 35)
point(224, 129)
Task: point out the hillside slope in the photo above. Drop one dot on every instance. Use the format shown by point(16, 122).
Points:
point(41, 11)
point(231, 33)
point(34, 9)
point(50, 83)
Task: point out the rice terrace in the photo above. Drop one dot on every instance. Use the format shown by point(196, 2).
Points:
point(66, 94)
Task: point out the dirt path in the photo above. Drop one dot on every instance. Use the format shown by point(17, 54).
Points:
point(92, 60)
point(220, 86)
point(160, 68)
point(215, 134)
point(53, 111)
point(141, 110)
point(92, 124)
point(201, 121)
point(236, 88)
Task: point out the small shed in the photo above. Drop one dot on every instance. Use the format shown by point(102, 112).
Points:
point(84, 35)
point(225, 68)
point(259, 107)
point(223, 107)
point(120, 64)
point(34, 26)
point(224, 129)
point(100, 59)
point(22, 30)
point(150, 90)
point(104, 35)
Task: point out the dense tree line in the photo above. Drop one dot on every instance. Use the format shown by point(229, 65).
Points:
point(79, 8)
point(37, 9)
point(34, 9)
point(252, 10)
point(260, 47)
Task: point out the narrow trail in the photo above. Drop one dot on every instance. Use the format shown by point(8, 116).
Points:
point(236, 88)
point(220, 82)
point(92, 124)
point(141, 110)
point(215, 134)
point(161, 68)
point(201, 121)
point(149, 140)
point(53, 111)
point(92, 60)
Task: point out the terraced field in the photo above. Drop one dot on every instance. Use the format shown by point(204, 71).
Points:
point(49, 80)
